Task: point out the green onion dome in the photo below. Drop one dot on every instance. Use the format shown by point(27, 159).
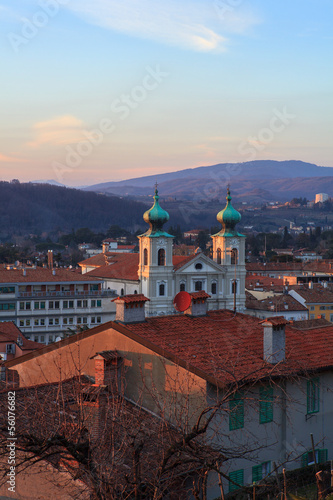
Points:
point(229, 217)
point(156, 217)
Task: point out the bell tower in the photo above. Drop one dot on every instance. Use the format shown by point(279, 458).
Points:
point(229, 251)
point(155, 263)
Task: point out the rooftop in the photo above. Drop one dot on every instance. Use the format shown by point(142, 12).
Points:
point(42, 275)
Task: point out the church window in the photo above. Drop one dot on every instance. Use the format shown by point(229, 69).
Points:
point(162, 289)
point(234, 256)
point(218, 256)
point(145, 257)
point(122, 291)
point(198, 265)
point(234, 287)
point(161, 257)
point(198, 286)
point(135, 292)
point(213, 288)
point(182, 287)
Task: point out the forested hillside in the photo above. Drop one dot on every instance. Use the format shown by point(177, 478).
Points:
point(34, 208)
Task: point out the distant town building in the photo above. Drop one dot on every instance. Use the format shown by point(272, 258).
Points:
point(321, 197)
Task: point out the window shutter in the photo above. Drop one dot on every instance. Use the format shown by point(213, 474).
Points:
point(322, 456)
point(236, 412)
point(238, 477)
point(256, 473)
point(266, 404)
point(304, 459)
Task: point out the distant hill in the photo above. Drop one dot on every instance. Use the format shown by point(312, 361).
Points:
point(33, 208)
point(273, 179)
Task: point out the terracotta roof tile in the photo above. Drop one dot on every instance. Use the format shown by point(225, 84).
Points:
point(9, 332)
point(112, 265)
point(41, 275)
point(200, 295)
point(275, 321)
point(317, 295)
point(224, 345)
point(134, 297)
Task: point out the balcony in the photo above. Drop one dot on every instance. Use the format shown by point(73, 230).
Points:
point(73, 294)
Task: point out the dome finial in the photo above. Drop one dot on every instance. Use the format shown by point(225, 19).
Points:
point(228, 217)
point(156, 216)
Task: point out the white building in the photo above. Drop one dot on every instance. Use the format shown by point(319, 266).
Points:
point(321, 197)
point(45, 303)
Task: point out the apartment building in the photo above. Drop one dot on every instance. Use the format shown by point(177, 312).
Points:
point(48, 303)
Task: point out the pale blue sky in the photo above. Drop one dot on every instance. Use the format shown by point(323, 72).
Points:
point(167, 85)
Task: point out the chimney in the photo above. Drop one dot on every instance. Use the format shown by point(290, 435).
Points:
point(130, 308)
point(94, 405)
point(24, 272)
point(108, 370)
point(325, 284)
point(274, 339)
point(53, 272)
point(50, 259)
point(198, 305)
point(310, 285)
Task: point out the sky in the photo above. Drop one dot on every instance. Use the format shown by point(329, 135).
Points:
point(105, 90)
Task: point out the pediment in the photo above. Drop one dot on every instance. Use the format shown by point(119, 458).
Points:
point(208, 266)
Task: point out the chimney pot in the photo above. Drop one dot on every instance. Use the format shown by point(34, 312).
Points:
point(130, 308)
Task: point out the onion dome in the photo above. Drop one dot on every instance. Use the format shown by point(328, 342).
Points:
point(156, 216)
point(228, 218)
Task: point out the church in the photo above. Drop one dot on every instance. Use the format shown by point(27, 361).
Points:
point(160, 275)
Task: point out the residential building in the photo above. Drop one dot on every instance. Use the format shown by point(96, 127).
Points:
point(13, 343)
point(45, 303)
point(321, 197)
point(193, 362)
point(276, 305)
point(316, 298)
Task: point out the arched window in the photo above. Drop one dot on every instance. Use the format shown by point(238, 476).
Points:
point(198, 286)
point(218, 256)
point(198, 265)
point(234, 287)
point(182, 287)
point(135, 292)
point(213, 288)
point(145, 257)
point(234, 256)
point(122, 291)
point(161, 257)
point(162, 289)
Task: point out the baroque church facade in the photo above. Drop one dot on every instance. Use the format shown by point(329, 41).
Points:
point(161, 276)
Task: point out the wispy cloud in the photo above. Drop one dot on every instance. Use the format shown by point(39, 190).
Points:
point(60, 130)
point(11, 159)
point(192, 24)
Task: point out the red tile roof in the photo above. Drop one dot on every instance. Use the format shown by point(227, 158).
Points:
point(111, 265)
point(274, 321)
point(225, 346)
point(200, 295)
point(277, 303)
point(316, 295)
point(41, 275)
point(134, 297)
point(9, 332)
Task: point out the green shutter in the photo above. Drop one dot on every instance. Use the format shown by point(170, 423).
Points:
point(265, 404)
point(313, 395)
point(305, 459)
point(256, 473)
point(238, 477)
point(322, 456)
point(236, 412)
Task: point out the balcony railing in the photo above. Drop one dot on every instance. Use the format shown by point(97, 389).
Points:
point(68, 293)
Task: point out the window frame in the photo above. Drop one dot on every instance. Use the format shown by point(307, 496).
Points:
point(236, 412)
point(266, 404)
point(313, 395)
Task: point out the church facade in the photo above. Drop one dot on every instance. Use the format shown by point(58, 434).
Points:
point(161, 277)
